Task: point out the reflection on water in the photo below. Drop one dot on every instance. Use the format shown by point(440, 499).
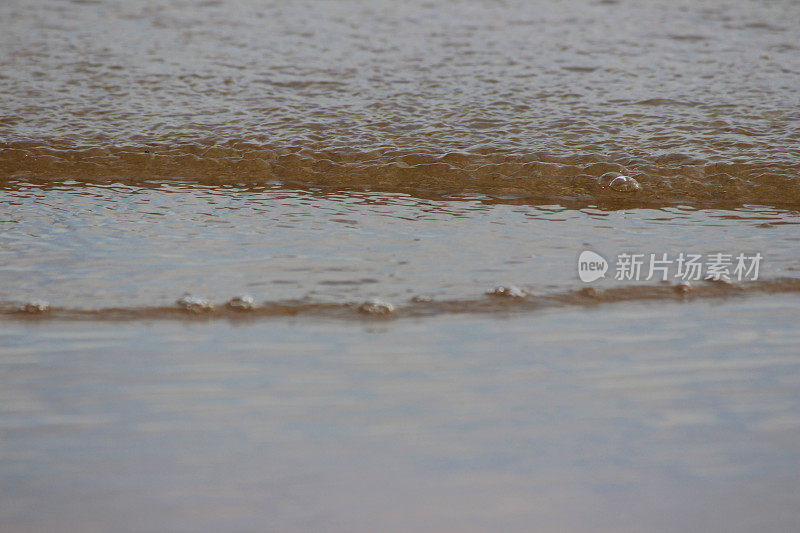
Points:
point(688, 416)
point(118, 246)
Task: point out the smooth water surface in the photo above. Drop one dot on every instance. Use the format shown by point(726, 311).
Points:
point(659, 417)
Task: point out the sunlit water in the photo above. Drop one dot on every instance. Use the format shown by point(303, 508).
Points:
point(403, 189)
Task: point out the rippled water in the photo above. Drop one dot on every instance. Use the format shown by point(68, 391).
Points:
point(303, 266)
point(94, 247)
point(698, 102)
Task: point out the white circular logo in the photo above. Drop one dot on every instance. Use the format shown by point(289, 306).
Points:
point(591, 266)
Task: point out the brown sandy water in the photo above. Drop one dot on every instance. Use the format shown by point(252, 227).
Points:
point(316, 155)
point(698, 102)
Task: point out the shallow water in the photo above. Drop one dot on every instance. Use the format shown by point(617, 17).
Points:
point(93, 247)
point(451, 161)
point(687, 417)
point(696, 101)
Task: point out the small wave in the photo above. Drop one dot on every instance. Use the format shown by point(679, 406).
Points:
point(692, 38)
point(664, 178)
point(664, 101)
point(416, 307)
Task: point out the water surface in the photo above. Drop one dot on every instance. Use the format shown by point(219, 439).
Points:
point(643, 416)
point(316, 155)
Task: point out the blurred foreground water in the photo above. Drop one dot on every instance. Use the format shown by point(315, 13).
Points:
point(627, 417)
